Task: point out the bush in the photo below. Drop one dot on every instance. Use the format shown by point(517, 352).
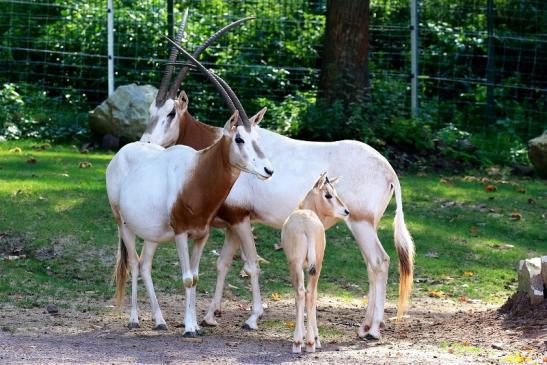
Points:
point(26, 112)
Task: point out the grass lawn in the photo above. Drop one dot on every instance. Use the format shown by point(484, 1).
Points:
point(468, 239)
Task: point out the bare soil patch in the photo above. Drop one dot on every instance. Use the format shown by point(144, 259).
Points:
point(435, 332)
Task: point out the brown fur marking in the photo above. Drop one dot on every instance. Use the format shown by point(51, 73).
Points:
point(196, 134)
point(205, 190)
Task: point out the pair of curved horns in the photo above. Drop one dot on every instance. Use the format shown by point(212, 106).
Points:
point(222, 86)
point(162, 93)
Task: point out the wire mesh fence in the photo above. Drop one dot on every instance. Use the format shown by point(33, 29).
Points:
point(482, 63)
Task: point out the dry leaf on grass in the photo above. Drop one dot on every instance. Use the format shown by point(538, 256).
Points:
point(290, 324)
point(490, 188)
point(468, 274)
point(276, 297)
point(85, 164)
point(516, 216)
point(436, 294)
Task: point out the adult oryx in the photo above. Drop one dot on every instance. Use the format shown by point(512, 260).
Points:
point(171, 194)
point(368, 185)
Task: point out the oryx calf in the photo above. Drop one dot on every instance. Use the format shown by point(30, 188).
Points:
point(303, 240)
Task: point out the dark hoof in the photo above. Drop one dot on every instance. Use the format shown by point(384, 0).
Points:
point(205, 324)
point(247, 327)
point(189, 335)
point(132, 325)
point(160, 327)
point(218, 313)
point(369, 337)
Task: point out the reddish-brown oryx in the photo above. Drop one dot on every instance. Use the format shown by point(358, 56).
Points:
point(368, 186)
point(171, 194)
point(303, 241)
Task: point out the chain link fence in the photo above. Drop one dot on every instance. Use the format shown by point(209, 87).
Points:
point(482, 64)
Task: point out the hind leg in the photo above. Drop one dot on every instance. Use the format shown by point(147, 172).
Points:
point(231, 243)
point(147, 255)
point(128, 238)
point(378, 265)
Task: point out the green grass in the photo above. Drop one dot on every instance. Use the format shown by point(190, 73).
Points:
point(60, 213)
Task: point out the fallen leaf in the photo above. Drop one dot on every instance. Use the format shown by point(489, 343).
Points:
point(490, 188)
point(450, 350)
point(473, 230)
point(516, 358)
point(278, 247)
point(16, 150)
point(243, 274)
point(214, 253)
point(85, 164)
point(516, 216)
point(290, 324)
point(365, 300)
point(262, 260)
point(436, 294)
point(463, 299)
point(468, 273)
point(276, 296)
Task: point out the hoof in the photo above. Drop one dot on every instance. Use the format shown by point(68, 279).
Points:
point(218, 313)
point(247, 327)
point(207, 324)
point(160, 327)
point(189, 335)
point(133, 325)
point(369, 337)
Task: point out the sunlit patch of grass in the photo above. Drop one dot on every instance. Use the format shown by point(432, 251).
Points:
point(458, 227)
point(460, 348)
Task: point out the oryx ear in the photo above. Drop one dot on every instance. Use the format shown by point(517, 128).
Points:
point(335, 180)
point(231, 124)
point(182, 101)
point(255, 119)
point(321, 181)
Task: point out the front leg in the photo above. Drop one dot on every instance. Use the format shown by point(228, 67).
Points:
point(248, 248)
point(181, 241)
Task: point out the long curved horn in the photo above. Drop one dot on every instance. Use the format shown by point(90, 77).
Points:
point(204, 71)
point(184, 71)
point(233, 96)
point(162, 92)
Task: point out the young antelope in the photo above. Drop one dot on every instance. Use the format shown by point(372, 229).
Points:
point(303, 240)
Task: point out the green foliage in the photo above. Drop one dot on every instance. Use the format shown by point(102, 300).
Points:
point(36, 115)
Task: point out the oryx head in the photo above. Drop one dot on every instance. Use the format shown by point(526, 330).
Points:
point(324, 198)
point(162, 128)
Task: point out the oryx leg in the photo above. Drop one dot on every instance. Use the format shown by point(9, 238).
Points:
point(312, 336)
point(128, 238)
point(378, 266)
point(248, 248)
point(147, 255)
point(181, 241)
point(297, 278)
point(197, 251)
point(231, 244)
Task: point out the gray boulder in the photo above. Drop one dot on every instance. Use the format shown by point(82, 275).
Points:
point(124, 114)
point(530, 280)
point(537, 152)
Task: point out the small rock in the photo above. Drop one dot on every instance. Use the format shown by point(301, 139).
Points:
point(497, 346)
point(52, 309)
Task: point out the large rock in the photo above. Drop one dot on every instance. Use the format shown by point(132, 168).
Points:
point(537, 152)
point(124, 114)
point(530, 280)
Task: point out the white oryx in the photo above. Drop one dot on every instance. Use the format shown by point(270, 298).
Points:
point(368, 186)
point(171, 194)
point(303, 241)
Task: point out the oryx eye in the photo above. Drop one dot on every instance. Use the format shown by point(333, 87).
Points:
point(328, 196)
point(239, 139)
point(172, 114)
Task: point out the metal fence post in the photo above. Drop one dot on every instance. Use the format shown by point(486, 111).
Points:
point(414, 58)
point(490, 67)
point(110, 31)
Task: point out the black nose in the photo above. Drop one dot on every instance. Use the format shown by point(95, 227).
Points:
point(268, 171)
point(346, 211)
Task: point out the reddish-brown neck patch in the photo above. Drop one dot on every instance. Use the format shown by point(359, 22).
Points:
point(195, 134)
point(205, 190)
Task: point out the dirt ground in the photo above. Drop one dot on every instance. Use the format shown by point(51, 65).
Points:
point(436, 331)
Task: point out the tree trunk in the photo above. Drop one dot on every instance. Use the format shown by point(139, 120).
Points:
point(344, 70)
